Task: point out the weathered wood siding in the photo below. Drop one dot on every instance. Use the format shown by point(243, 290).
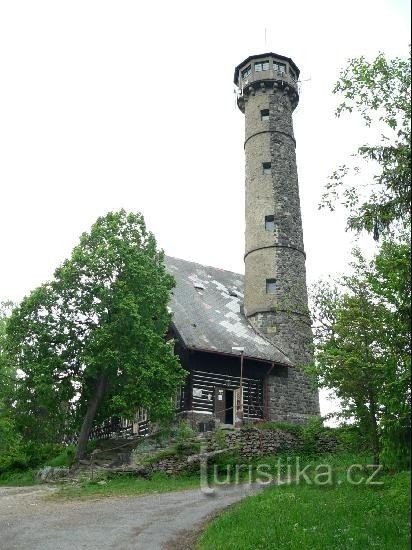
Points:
point(204, 384)
point(208, 371)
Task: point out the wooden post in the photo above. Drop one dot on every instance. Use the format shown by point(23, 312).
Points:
point(242, 358)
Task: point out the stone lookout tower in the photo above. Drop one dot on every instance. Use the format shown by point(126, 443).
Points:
point(276, 302)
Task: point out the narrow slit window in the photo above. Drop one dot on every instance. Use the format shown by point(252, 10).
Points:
point(264, 115)
point(267, 167)
point(270, 223)
point(270, 286)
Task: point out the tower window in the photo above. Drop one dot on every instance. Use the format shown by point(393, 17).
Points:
point(292, 74)
point(246, 72)
point(270, 286)
point(280, 67)
point(270, 223)
point(264, 114)
point(267, 167)
point(262, 66)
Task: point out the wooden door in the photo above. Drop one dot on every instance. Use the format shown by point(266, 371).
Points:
point(220, 404)
point(236, 406)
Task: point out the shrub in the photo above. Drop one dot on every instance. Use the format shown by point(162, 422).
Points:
point(11, 451)
point(184, 431)
point(219, 438)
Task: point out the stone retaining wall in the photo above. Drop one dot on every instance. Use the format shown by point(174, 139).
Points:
point(249, 443)
point(253, 442)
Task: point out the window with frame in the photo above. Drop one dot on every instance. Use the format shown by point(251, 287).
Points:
point(267, 167)
point(270, 286)
point(262, 66)
point(270, 223)
point(292, 74)
point(246, 72)
point(279, 67)
point(264, 115)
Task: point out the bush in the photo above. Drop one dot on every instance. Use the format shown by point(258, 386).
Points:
point(184, 432)
point(12, 454)
point(314, 437)
point(64, 458)
point(18, 478)
point(311, 433)
point(351, 438)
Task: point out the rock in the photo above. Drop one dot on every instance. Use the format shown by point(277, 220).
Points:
point(49, 473)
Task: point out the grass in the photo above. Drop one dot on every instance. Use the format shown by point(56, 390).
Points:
point(180, 449)
point(303, 516)
point(125, 485)
point(18, 478)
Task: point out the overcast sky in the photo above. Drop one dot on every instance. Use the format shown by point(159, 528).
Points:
point(130, 104)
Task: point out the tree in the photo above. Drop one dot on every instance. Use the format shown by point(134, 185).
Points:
point(363, 348)
point(380, 92)
point(91, 343)
point(10, 440)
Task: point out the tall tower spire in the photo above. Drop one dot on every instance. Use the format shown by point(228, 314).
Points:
point(276, 300)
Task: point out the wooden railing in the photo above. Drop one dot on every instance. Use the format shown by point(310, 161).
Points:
point(115, 428)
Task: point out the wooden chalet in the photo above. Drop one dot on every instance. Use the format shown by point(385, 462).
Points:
point(208, 325)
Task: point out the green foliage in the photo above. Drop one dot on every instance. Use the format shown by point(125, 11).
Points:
point(179, 449)
point(18, 478)
point(311, 436)
point(183, 432)
point(91, 344)
point(11, 450)
point(351, 438)
point(32, 455)
point(311, 433)
point(39, 455)
point(380, 92)
point(169, 452)
point(63, 459)
point(363, 348)
point(219, 437)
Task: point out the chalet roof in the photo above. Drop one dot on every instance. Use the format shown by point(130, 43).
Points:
point(206, 307)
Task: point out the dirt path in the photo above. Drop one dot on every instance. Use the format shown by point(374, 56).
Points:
point(159, 521)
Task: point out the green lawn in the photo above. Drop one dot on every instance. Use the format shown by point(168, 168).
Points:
point(340, 516)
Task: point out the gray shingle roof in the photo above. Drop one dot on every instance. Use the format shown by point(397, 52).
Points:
point(206, 306)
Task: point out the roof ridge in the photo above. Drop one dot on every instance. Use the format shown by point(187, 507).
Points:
point(204, 266)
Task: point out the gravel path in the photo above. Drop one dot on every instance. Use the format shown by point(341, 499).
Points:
point(157, 521)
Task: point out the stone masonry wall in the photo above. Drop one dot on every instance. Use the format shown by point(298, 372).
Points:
point(252, 442)
point(283, 316)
